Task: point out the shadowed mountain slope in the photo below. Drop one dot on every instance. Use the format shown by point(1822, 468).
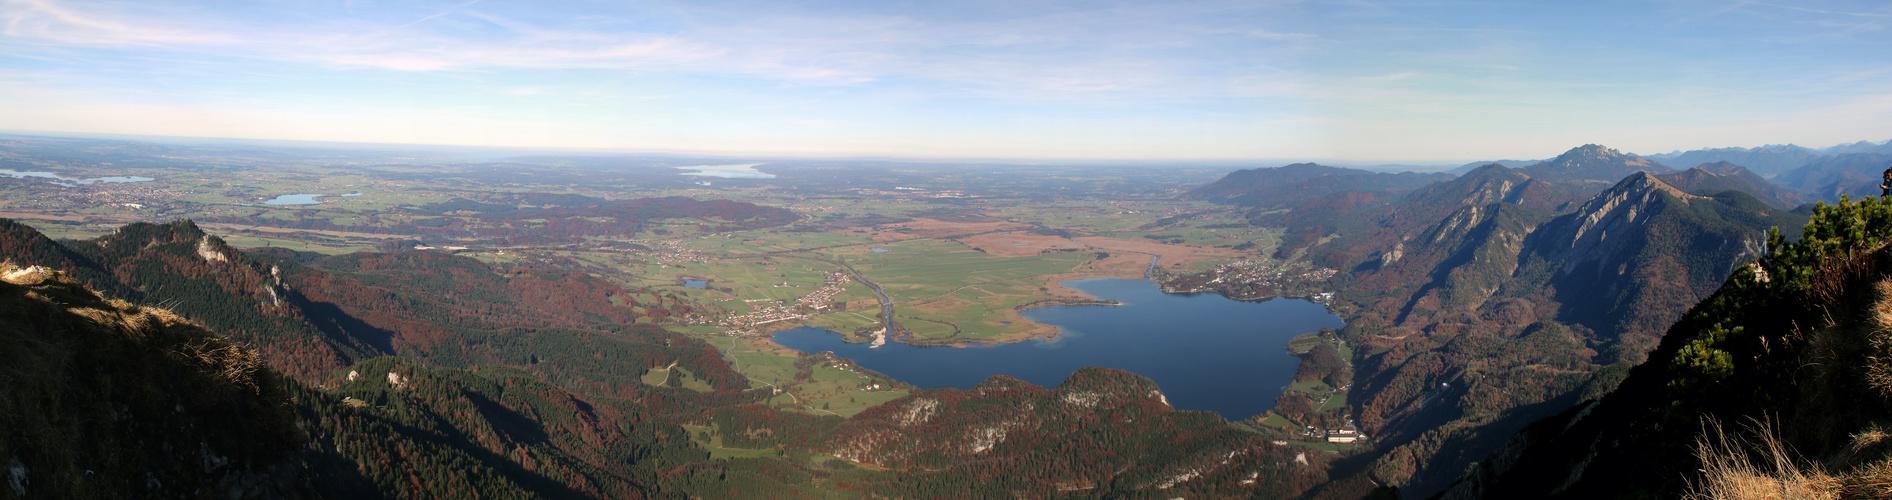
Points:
point(309, 315)
point(1788, 351)
point(1102, 433)
point(1477, 309)
point(105, 399)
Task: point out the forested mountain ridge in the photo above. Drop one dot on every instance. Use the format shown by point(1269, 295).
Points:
point(1101, 433)
point(1476, 307)
point(1628, 262)
point(1710, 178)
point(105, 399)
point(310, 318)
point(1776, 383)
point(1320, 199)
point(198, 276)
point(1297, 183)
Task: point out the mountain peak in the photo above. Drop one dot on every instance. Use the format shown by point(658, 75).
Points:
point(1592, 164)
point(1640, 183)
point(1591, 150)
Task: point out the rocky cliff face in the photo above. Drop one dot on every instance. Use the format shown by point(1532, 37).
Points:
point(1626, 263)
point(1478, 319)
point(1777, 383)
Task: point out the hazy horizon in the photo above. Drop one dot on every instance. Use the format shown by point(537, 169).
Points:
point(1355, 83)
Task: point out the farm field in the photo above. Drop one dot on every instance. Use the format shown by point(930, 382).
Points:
point(958, 250)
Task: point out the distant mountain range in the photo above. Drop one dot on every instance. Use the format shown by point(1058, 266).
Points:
point(1770, 160)
point(1300, 182)
point(1855, 175)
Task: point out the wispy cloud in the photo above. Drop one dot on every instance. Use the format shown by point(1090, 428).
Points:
point(1060, 51)
point(1352, 76)
point(49, 20)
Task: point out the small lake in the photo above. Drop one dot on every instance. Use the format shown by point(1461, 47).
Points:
point(303, 199)
point(696, 283)
point(67, 181)
point(745, 171)
point(1206, 351)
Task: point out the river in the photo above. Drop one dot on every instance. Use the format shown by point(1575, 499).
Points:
point(1206, 351)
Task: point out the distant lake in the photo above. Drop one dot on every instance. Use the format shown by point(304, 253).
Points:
point(303, 199)
point(68, 181)
point(696, 283)
point(746, 171)
point(1206, 351)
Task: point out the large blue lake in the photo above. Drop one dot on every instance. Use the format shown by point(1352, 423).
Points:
point(1207, 352)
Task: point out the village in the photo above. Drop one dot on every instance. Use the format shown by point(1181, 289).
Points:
point(1252, 279)
point(673, 251)
point(821, 299)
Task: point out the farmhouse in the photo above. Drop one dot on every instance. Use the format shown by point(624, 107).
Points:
point(1345, 434)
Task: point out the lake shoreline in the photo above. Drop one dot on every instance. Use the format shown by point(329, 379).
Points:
point(1212, 352)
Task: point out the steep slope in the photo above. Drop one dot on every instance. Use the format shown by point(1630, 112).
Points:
point(1789, 350)
point(104, 399)
point(1854, 175)
point(1710, 178)
point(396, 428)
point(1376, 251)
point(1590, 168)
point(199, 277)
point(1473, 320)
point(309, 315)
point(1627, 263)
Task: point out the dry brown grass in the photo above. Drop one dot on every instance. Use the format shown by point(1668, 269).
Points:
point(1757, 467)
point(933, 229)
point(1008, 244)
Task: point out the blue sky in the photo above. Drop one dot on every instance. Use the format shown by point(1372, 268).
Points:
point(1352, 81)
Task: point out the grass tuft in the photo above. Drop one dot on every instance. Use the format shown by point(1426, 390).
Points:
point(1759, 467)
